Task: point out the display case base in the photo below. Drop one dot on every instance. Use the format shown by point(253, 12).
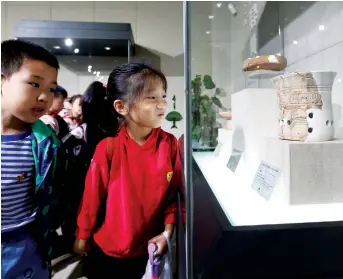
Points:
point(223, 250)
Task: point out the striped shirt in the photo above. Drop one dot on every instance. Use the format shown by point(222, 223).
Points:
point(17, 181)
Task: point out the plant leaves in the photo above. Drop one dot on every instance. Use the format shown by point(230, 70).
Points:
point(217, 102)
point(204, 97)
point(208, 82)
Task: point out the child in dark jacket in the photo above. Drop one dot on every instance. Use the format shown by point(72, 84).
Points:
point(80, 145)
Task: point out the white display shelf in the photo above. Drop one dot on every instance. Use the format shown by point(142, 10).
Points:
point(244, 207)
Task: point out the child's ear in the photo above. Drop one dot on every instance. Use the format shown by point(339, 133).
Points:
point(120, 107)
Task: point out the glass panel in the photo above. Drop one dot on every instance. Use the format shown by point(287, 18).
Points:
point(223, 35)
point(267, 76)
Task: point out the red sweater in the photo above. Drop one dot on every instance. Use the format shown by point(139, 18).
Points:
point(141, 193)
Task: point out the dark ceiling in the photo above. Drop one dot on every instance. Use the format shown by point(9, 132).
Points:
point(79, 64)
point(101, 45)
point(94, 47)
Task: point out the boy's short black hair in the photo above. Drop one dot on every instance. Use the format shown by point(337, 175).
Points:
point(60, 92)
point(13, 53)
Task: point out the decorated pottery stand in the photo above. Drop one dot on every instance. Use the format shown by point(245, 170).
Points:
point(274, 182)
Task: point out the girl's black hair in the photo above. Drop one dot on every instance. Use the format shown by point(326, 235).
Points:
point(128, 82)
point(98, 114)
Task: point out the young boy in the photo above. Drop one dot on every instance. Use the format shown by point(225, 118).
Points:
point(52, 118)
point(28, 159)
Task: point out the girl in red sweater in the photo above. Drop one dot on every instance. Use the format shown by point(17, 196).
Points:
point(134, 176)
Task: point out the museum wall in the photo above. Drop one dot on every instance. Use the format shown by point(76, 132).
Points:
point(156, 26)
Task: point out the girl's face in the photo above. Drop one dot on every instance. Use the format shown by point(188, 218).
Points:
point(149, 111)
point(77, 108)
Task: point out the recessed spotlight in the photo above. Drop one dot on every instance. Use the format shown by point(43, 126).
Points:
point(295, 42)
point(68, 42)
point(210, 16)
point(208, 32)
point(90, 67)
point(57, 47)
point(89, 70)
point(107, 48)
point(76, 50)
point(94, 72)
point(321, 27)
point(219, 4)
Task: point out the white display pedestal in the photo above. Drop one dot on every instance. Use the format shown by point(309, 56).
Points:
point(297, 197)
point(311, 173)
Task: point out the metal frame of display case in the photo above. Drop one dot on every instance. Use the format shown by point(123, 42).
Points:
point(217, 249)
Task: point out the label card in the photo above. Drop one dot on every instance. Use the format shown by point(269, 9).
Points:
point(217, 150)
point(235, 157)
point(265, 179)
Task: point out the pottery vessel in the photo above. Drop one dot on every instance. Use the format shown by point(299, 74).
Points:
point(266, 63)
point(304, 100)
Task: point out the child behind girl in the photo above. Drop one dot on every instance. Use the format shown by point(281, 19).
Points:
point(80, 145)
point(74, 117)
point(135, 175)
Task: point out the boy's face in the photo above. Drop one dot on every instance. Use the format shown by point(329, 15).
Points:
point(28, 93)
point(57, 104)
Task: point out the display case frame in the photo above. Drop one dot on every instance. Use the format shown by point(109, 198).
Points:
point(219, 247)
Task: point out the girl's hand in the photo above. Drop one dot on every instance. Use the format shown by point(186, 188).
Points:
point(162, 244)
point(81, 246)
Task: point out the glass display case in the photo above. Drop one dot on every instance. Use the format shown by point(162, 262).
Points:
point(266, 131)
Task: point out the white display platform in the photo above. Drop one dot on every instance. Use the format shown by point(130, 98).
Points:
point(244, 207)
point(310, 173)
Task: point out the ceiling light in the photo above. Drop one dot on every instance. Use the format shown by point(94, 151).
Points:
point(76, 50)
point(321, 27)
point(57, 47)
point(208, 32)
point(219, 4)
point(15, 38)
point(94, 72)
point(107, 48)
point(339, 80)
point(68, 42)
point(210, 16)
point(89, 70)
point(98, 74)
point(295, 42)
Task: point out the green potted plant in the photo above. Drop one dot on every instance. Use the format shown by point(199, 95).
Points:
point(205, 104)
